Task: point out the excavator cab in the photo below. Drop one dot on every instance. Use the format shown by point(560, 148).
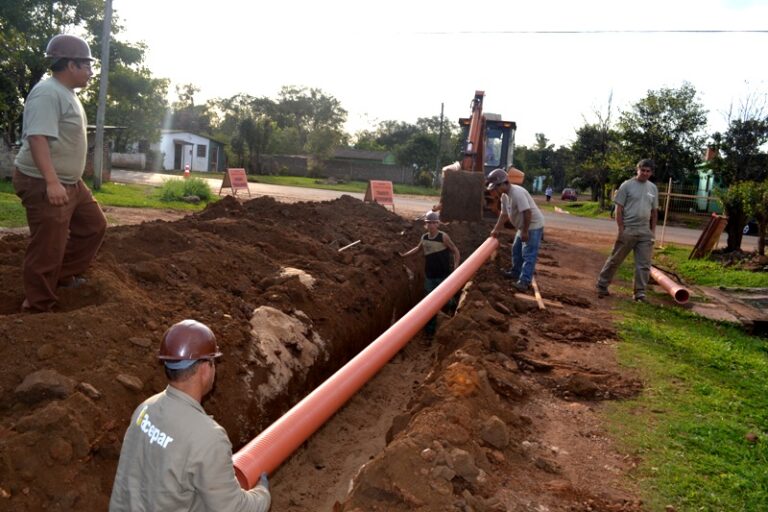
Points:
point(488, 143)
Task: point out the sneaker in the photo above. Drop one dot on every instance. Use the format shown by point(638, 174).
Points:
point(640, 298)
point(602, 292)
point(510, 275)
point(521, 287)
point(73, 282)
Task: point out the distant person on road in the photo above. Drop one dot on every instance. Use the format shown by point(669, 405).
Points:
point(548, 193)
point(519, 208)
point(438, 248)
point(65, 222)
point(637, 206)
point(175, 457)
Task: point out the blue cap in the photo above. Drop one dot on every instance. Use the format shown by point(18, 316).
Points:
point(180, 365)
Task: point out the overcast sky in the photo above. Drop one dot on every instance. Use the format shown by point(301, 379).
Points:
point(400, 60)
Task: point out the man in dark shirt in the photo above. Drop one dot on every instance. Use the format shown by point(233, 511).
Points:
point(437, 247)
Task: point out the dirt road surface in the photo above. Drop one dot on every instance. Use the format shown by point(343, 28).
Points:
point(415, 206)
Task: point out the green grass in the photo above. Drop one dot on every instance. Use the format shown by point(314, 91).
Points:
point(589, 209)
point(12, 214)
point(707, 272)
point(706, 388)
point(111, 194)
point(349, 186)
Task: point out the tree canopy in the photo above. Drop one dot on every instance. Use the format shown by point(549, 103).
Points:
point(667, 126)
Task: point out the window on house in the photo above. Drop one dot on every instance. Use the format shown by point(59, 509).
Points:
point(201, 150)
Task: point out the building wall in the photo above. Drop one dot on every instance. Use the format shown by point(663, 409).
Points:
point(189, 153)
point(341, 169)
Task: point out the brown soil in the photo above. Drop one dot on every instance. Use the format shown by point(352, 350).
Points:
point(501, 411)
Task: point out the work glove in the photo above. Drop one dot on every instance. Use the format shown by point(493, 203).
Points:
point(264, 481)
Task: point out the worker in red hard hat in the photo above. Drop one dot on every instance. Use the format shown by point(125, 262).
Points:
point(174, 456)
point(438, 248)
point(66, 224)
point(518, 207)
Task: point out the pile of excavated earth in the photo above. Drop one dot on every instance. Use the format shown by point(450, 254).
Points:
point(500, 411)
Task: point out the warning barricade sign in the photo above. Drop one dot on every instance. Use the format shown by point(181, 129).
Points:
point(380, 192)
point(235, 179)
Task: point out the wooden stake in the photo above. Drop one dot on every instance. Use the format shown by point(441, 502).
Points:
point(537, 294)
point(350, 245)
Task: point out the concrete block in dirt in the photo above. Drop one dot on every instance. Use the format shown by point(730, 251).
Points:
point(44, 385)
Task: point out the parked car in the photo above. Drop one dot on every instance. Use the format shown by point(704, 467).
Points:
point(750, 228)
point(569, 194)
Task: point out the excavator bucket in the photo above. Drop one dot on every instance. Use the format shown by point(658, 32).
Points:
point(462, 196)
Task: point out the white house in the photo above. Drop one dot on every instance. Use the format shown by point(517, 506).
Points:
point(180, 148)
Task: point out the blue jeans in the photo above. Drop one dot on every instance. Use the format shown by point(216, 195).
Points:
point(524, 254)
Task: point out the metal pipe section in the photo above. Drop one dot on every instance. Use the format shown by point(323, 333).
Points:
point(678, 292)
point(278, 441)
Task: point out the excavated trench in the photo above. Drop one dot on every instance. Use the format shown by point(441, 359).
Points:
point(288, 309)
point(467, 421)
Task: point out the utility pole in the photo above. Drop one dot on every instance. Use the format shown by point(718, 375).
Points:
point(98, 149)
point(439, 147)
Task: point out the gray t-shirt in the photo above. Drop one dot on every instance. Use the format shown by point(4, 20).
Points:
point(638, 201)
point(176, 458)
point(53, 110)
point(518, 200)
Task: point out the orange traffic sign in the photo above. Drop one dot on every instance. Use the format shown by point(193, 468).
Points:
point(380, 192)
point(235, 179)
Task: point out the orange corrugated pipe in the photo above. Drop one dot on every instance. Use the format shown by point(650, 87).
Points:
point(278, 441)
point(680, 293)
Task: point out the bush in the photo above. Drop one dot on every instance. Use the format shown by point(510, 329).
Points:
point(177, 190)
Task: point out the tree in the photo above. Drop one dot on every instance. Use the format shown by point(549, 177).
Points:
point(421, 150)
point(25, 29)
point(136, 102)
point(754, 196)
point(734, 199)
point(595, 154)
point(740, 157)
point(308, 110)
point(187, 116)
point(666, 126)
point(561, 165)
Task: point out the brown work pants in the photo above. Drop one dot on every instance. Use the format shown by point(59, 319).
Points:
point(64, 239)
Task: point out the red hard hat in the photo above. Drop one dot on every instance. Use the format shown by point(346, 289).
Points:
point(188, 340)
point(66, 46)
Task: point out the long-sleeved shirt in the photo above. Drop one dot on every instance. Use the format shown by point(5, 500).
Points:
point(177, 458)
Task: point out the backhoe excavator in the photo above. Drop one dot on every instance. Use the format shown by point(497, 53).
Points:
point(487, 144)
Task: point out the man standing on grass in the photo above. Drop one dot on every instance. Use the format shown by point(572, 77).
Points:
point(65, 222)
point(637, 206)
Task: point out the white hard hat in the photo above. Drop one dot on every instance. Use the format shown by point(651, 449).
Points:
point(432, 216)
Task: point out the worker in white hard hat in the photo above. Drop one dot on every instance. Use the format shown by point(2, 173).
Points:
point(518, 207)
point(437, 247)
point(66, 224)
point(174, 456)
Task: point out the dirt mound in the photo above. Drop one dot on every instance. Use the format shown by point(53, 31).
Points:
point(279, 264)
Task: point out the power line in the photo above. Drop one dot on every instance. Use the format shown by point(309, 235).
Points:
point(548, 32)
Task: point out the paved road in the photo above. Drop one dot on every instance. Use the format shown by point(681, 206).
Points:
point(416, 205)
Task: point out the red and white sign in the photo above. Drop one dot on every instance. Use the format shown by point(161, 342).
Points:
point(380, 192)
point(236, 179)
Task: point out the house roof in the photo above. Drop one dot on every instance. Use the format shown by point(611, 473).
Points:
point(359, 154)
point(171, 132)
